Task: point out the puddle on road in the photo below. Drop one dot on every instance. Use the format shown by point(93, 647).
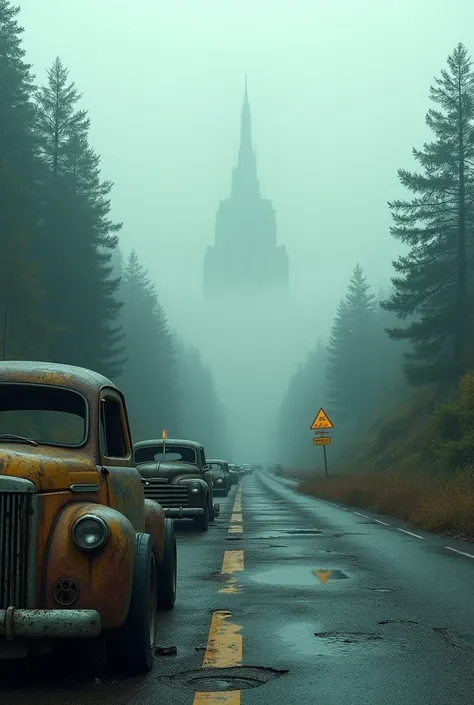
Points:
point(294, 576)
point(299, 638)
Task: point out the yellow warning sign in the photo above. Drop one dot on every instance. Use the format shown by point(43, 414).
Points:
point(322, 575)
point(321, 421)
point(322, 441)
point(164, 434)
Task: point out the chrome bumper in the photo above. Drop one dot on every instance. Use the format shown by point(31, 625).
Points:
point(183, 512)
point(49, 624)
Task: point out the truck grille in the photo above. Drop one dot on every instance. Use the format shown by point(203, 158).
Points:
point(15, 530)
point(168, 496)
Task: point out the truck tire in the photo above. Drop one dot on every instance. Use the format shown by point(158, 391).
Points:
point(201, 523)
point(166, 572)
point(211, 509)
point(131, 648)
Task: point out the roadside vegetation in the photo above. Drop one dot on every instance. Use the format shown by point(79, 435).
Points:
point(396, 376)
point(66, 293)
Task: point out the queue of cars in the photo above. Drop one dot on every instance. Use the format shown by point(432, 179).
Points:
point(87, 539)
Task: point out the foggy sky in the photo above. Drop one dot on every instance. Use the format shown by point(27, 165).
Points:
point(338, 93)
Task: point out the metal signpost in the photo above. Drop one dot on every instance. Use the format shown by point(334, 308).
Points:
point(321, 425)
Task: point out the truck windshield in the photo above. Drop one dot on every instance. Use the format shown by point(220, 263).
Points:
point(45, 414)
point(157, 453)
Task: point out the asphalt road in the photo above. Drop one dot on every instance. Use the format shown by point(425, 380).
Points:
point(295, 600)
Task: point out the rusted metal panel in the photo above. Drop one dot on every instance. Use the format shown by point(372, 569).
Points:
point(126, 494)
point(104, 579)
point(155, 526)
point(50, 469)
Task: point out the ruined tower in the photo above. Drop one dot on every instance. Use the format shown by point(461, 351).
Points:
point(245, 257)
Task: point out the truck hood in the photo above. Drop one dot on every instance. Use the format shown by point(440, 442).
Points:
point(169, 471)
point(50, 469)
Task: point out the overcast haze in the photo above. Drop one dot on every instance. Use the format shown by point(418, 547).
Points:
point(338, 93)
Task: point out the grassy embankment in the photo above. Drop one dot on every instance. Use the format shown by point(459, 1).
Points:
point(416, 464)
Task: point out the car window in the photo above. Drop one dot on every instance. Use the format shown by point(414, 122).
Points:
point(158, 453)
point(111, 429)
point(45, 414)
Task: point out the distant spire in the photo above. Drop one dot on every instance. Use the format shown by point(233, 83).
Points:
point(245, 179)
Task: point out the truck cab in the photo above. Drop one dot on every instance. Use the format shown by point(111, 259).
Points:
point(176, 475)
point(83, 553)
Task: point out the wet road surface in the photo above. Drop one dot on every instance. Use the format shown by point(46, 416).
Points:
point(292, 599)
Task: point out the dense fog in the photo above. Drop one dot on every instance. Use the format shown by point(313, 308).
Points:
point(205, 198)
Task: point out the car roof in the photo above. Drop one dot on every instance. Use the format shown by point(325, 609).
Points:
point(49, 373)
point(168, 441)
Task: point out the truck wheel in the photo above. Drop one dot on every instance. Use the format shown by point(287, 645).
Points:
point(212, 516)
point(131, 648)
point(167, 569)
point(201, 523)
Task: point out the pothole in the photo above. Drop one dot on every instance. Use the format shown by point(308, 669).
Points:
point(234, 538)
point(458, 641)
point(349, 637)
point(381, 589)
point(216, 576)
point(224, 679)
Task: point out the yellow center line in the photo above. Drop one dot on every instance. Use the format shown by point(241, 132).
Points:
point(224, 644)
point(233, 562)
point(224, 650)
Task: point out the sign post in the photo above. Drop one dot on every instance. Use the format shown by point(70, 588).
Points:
point(321, 425)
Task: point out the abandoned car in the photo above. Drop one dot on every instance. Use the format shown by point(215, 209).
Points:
point(176, 475)
point(83, 554)
point(234, 474)
point(221, 480)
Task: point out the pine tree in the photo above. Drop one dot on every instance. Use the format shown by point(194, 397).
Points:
point(78, 237)
point(23, 332)
point(150, 375)
point(434, 282)
point(352, 351)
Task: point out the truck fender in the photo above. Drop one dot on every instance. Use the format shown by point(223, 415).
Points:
point(155, 526)
point(102, 580)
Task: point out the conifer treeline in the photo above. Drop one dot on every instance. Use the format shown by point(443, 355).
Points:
point(64, 294)
point(430, 308)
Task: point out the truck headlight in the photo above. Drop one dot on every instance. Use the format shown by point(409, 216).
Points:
point(194, 487)
point(90, 532)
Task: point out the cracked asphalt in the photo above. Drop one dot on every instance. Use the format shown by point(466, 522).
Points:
point(291, 598)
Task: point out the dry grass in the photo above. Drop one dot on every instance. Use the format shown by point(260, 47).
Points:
point(444, 504)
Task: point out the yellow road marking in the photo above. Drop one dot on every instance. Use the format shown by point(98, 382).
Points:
point(236, 529)
point(233, 587)
point(224, 650)
point(236, 518)
point(224, 643)
point(233, 562)
point(232, 697)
